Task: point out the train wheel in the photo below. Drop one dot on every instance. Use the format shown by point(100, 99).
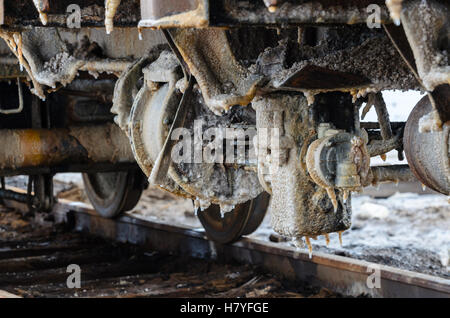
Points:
point(243, 220)
point(261, 204)
point(112, 193)
point(428, 152)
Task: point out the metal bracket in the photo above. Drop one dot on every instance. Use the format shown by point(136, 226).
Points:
point(162, 163)
point(20, 108)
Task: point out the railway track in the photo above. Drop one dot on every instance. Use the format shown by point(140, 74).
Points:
point(337, 275)
point(34, 261)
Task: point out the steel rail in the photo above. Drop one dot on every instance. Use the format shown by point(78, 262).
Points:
point(337, 273)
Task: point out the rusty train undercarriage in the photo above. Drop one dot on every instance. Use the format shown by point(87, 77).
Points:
point(235, 104)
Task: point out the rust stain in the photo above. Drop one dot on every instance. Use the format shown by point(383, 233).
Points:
point(31, 145)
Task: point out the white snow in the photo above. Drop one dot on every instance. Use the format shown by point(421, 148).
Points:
point(404, 220)
point(370, 210)
point(74, 178)
point(399, 105)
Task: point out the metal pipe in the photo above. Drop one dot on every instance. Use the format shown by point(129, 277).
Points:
point(383, 116)
point(75, 145)
point(16, 196)
point(380, 147)
point(394, 173)
point(18, 109)
point(395, 125)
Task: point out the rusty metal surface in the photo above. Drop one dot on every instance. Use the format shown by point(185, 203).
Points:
point(49, 61)
point(172, 13)
point(316, 77)
point(300, 205)
point(357, 67)
point(23, 13)
point(422, 42)
point(427, 152)
point(196, 13)
point(393, 173)
point(224, 82)
point(426, 27)
point(158, 109)
point(398, 38)
point(45, 147)
point(243, 220)
point(290, 12)
point(339, 274)
point(440, 100)
point(159, 8)
point(192, 13)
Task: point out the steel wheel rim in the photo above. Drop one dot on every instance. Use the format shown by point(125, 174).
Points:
point(234, 224)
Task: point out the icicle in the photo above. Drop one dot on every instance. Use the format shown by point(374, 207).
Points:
point(272, 9)
point(345, 195)
point(332, 196)
point(354, 94)
point(271, 5)
point(366, 109)
point(196, 207)
point(340, 238)
point(18, 46)
point(203, 204)
point(225, 208)
point(310, 97)
point(298, 242)
point(110, 11)
point(430, 122)
point(308, 243)
point(327, 239)
point(140, 34)
point(395, 8)
point(383, 157)
point(424, 187)
point(39, 4)
point(14, 42)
